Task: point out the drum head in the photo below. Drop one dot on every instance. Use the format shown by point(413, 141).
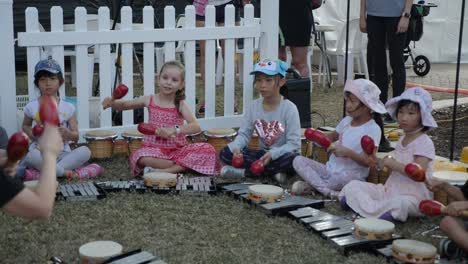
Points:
point(374, 225)
point(220, 132)
point(100, 135)
point(154, 176)
point(132, 133)
point(414, 247)
point(100, 249)
point(267, 190)
point(453, 177)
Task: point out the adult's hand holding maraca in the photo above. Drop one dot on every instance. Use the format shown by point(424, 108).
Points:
point(17, 148)
point(318, 137)
point(434, 208)
point(415, 172)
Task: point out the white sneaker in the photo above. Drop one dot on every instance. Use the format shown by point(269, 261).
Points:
point(301, 188)
point(148, 170)
point(281, 178)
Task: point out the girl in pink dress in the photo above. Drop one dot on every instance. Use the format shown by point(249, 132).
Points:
point(400, 196)
point(167, 150)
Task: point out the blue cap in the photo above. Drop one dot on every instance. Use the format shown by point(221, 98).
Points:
point(49, 65)
point(271, 67)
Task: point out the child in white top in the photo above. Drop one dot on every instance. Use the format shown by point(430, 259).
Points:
point(347, 161)
point(400, 196)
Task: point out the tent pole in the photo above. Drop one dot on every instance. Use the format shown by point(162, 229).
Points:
point(346, 52)
point(457, 78)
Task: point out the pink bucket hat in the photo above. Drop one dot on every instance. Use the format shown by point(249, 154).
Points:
point(367, 92)
point(417, 95)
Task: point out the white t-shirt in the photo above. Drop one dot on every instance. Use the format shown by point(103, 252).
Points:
point(66, 111)
point(350, 137)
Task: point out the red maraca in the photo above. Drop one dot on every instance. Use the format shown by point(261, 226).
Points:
point(147, 128)
point(120, 91)
point(238, 161)
point(317, 137)
point(415, 172)
point(434, 208)
point(257, 167)
point(48, 111)
point(37, 130)
point(17, 147)
point(367, 144)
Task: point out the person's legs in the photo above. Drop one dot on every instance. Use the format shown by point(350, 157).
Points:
point(299, 60)
point(72, 160)
point(454, 228)
point(377, 54)
point(33, 159)
point(281, 164)
point(312, 172)
point(396, 45)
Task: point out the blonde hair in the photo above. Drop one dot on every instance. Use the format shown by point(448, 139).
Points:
point(180, 94)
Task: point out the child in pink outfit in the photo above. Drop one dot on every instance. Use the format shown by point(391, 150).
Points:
point(348, 161)
point(167, 149)
point(399, 198)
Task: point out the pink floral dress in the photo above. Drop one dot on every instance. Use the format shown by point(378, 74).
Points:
point(200, 157)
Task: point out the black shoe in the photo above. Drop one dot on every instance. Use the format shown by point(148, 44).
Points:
point(448, 249)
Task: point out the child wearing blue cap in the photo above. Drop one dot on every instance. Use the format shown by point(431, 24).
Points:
point(276, 121)
point(48, 77)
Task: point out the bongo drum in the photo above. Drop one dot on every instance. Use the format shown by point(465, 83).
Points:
point(195, 138)
point(456, 178)
point(253, 143)
point(134, 139)
point(160, 179)
point(101, 143)
point(319, 153)
point(306, 145)
point(379, 176)
point(264, 193)
point(120, 147)
point(373, 229)
point(413, 251)
point(219, 137)
point(99, 251)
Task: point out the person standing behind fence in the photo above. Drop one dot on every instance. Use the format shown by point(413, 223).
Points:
point(295, 19)
point(200, 6)
point(386, 23)
point(48, 77)
point(167, 150)
point(277, 156)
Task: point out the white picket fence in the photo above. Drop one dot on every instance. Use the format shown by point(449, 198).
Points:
point(36, 41)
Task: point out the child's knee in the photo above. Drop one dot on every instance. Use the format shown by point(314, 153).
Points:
point(447, 223)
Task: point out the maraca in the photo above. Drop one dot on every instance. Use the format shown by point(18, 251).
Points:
point(237, 160)
point(434, 208)
point(317, 137)
point(415, 172)
point(17, 147)
point(48, 111)
point(257, 167)
point(147, 128)
point(120, 91)
point(37, 130)
point(367, 144)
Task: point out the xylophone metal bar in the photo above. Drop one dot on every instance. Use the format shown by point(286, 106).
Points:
point(330, 225)
point(346, 244)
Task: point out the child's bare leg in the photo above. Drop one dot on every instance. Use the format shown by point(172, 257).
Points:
point(174, 169)
point(455, 230)
point(155, 163)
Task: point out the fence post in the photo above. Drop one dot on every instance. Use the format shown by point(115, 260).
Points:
point(269, 27)
point(7, 68)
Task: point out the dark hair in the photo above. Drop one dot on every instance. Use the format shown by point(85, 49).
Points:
point(409, 103)
point(47, 74)
point(180, 94)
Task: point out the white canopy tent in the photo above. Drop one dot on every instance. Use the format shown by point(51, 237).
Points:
point(441, 28)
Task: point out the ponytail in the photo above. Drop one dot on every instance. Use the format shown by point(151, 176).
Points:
point(179, 96)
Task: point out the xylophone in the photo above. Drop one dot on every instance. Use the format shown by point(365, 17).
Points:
point(338, 230)
point(193, 185)
point(281, 207)
point(135, 257)
point(83, 191)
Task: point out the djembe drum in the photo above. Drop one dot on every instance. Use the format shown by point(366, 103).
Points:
point(253, 143)
point(101, 143)
point(456, 178)
point(195, 138)
point(219, 137)
point(134, 139)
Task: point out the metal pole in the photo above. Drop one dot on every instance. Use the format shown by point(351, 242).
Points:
point(346, 51)
point(457, 77)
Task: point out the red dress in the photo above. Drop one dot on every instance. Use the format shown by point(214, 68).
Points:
point(200, 157)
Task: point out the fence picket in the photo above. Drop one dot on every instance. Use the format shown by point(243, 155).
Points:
point(148, 55)
point(229, 64)
point(247, 95)
point(56, 25)
point(169, 23)
point(127, 62)
point(82, 76)
point(210, 59)
point(190, 60)
point(106, 77)
point(33, 53)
